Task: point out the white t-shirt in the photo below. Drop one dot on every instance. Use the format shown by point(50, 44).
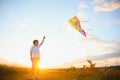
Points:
point(35, 51)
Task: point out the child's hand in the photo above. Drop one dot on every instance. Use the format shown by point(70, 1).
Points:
point(44, 37)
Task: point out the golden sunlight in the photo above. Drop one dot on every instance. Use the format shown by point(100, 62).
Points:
point(46, 62)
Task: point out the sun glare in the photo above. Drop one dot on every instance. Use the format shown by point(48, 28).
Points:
point(46, 64)
point(43, 65)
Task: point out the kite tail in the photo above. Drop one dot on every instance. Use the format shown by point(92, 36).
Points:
point(83, 32)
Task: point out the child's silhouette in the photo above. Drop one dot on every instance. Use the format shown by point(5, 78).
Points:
point(35, 57)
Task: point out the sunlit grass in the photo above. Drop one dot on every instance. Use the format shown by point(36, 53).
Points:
point(19, 73)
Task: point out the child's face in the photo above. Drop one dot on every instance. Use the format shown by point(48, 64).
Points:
point(36, 43)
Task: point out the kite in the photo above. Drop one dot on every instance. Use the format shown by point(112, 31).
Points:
point(75, 22)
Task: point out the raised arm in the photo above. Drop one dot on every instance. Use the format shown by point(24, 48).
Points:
point(42, 41)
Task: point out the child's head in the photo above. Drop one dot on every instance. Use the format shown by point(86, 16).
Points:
point(35, 42)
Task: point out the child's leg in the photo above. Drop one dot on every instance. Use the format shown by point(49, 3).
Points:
point(37, 66)
point(33, 67)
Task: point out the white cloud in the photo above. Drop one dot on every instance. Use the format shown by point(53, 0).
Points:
point(80, 62)
point(82, 5)
point(98, 1)
point(108, 62)
point(24, 23)
point(82, 15)
point(112, 21)
point(82, 50)
point(106, 6)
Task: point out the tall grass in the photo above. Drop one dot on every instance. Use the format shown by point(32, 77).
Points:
point(18, 73)
point(11, 72)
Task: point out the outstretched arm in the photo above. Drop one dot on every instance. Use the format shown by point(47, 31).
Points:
point(42, 41)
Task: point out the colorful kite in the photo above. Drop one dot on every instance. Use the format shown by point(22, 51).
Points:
point(75, 22)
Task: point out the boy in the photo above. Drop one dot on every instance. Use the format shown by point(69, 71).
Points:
point(35, 57)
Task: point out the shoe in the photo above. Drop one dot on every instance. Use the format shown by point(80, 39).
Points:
point(32, 77)
point(37, 77)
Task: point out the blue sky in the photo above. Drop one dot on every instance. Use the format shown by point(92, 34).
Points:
point(23, 21)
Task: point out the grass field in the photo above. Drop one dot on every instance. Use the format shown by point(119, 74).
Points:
point(18, 73)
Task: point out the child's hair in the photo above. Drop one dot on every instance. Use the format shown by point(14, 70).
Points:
point(35, 41)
